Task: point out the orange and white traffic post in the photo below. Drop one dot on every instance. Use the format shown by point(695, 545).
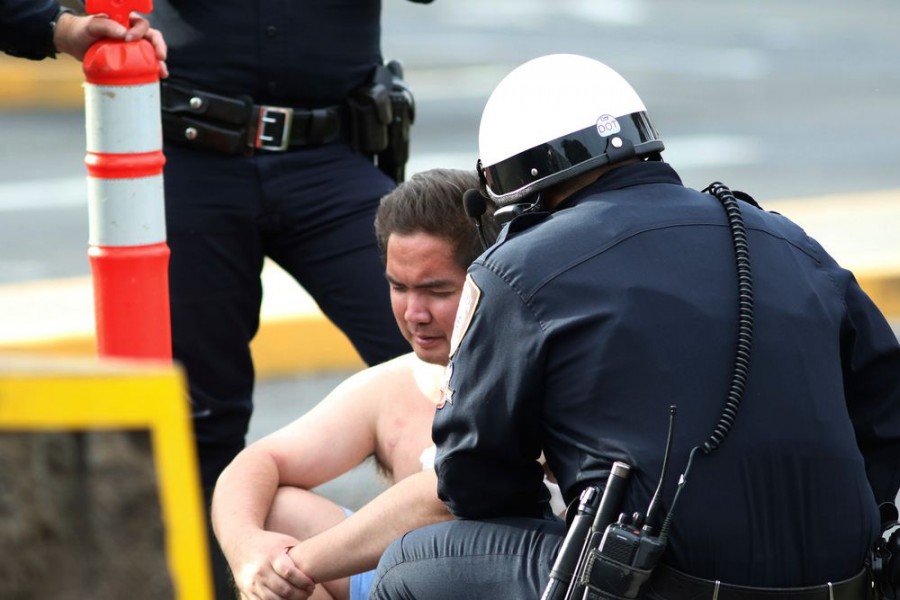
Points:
point(127, 229)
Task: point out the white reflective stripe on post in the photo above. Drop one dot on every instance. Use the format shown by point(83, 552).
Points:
point(126, 212)
point(122, 119)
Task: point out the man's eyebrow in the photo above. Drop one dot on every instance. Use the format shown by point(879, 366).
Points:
point(428, 284)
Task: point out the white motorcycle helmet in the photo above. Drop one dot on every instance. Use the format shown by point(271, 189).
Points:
point(556, 117)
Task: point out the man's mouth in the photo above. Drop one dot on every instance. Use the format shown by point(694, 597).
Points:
point(425, 340)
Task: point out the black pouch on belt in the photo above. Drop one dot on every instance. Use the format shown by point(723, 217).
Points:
point(381, 113)
point(195, 118)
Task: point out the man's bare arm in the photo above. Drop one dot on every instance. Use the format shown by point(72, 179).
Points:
point(240, 506)
point(329, 440)
point(243, 495)
point(355, 545)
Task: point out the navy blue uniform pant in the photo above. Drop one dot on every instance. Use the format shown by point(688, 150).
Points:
point(310, 210)
point(460, 560)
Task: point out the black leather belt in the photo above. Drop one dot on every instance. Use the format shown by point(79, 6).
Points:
point(672, 584)
point(278, 128)
point(237, 125)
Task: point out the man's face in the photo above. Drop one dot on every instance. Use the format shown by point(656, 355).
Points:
point(425, 287)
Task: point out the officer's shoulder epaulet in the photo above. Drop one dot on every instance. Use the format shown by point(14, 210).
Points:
point(745, 197)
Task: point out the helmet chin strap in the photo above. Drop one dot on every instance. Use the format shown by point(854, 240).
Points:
point(505, 214)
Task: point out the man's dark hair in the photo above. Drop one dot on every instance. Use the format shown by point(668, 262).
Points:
point(432, 202)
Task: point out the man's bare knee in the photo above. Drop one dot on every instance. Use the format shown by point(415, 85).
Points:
point(302, 513)
point(284, 508)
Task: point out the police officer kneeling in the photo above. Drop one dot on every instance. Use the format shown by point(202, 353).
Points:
point(612, 296)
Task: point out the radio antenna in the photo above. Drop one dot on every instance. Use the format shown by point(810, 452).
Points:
point(653, 508)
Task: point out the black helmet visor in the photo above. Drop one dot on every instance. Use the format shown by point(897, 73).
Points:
point(515, 176)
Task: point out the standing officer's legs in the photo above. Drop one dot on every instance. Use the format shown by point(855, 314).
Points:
point(216, 258)
point(215, 294)
point(320, 210)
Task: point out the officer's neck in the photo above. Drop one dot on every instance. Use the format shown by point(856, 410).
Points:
point(555, 195)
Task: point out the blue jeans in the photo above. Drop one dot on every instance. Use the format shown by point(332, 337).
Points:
point(459, 559)
point(360, 583)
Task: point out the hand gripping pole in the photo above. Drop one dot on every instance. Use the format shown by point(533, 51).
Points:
point(127, 233)
point(118, 10)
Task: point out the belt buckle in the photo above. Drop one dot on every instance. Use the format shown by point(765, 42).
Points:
point(273, 130)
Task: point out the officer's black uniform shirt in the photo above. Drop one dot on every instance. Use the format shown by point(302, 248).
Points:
point(289, 53)
point(25, 28)
point(592, 321)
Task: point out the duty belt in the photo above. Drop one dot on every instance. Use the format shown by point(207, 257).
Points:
point(237, 125)
point(672, 584)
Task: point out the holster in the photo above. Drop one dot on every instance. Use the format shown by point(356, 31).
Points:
point(606, 577)
point(883, 561)
point(381, 113)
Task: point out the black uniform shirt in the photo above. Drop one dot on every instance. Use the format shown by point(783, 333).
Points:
point(590, 322)
point(25, 28)
point(305, 53)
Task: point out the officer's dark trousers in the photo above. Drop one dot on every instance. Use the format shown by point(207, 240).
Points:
point(310, 210)
point(458, 560)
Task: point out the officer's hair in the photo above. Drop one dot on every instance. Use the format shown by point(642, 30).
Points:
point(431, 202)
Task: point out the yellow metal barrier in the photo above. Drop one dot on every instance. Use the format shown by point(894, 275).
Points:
point(42, 394)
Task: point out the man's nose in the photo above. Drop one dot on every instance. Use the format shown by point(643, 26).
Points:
point(417, 309)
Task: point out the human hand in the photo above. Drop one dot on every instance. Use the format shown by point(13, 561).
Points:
point(75, 34)
point(263, 570)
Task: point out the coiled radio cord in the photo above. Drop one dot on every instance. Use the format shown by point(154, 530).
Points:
point(744, 338)
point(745, 315)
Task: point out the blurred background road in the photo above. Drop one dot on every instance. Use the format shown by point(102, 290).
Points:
point(784, 100)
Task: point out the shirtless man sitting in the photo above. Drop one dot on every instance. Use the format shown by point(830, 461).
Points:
point(262, 503)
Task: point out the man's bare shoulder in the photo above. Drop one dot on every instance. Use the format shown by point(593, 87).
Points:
point(406, 374)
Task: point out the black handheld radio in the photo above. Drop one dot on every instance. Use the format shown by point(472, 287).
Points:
point(620, 562)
